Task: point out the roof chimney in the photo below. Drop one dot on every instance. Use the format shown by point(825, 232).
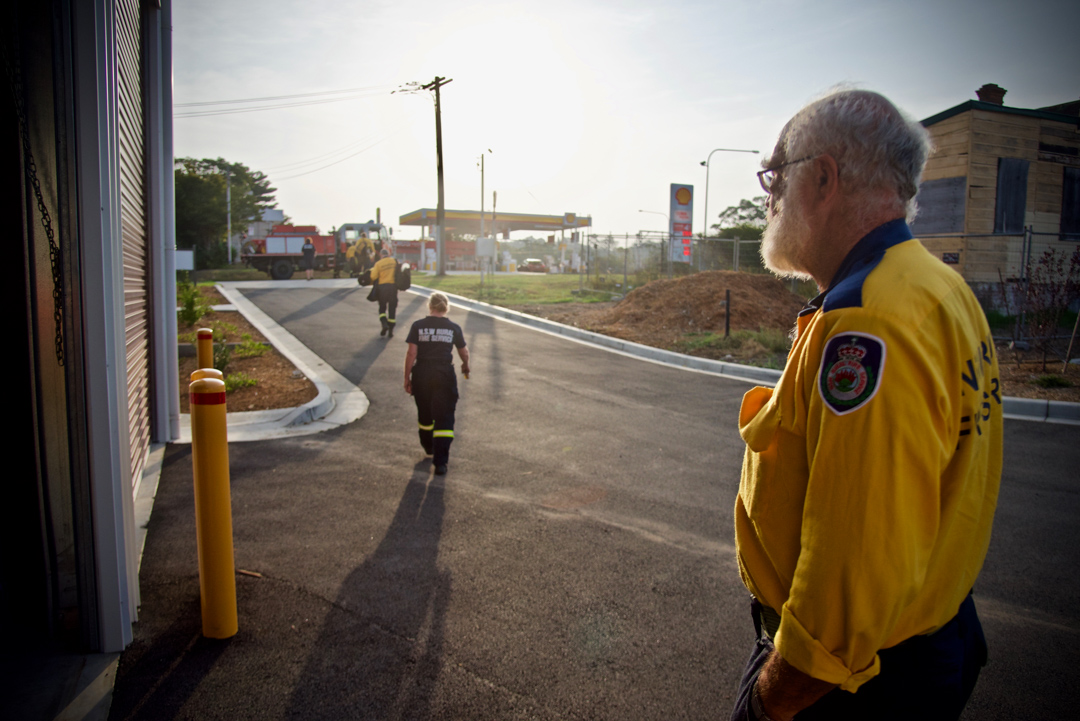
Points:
point(991, 93)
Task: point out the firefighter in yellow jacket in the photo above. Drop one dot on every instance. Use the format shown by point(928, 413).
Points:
point(383, 274)
point(872, 468)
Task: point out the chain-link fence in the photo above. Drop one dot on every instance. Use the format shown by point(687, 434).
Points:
point(996, 264)
point(619, 262)
point(1028, 283)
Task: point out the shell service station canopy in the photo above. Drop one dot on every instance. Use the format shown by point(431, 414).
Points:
point(462, 222)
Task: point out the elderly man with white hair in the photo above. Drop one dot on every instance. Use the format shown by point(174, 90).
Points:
point(872, 468)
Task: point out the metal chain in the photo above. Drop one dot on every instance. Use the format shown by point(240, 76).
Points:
point(30, 167)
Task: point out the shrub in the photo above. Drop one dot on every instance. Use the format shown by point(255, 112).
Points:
point(222, 356)
point(238, 380)
point(191, 305)
point(248, 348)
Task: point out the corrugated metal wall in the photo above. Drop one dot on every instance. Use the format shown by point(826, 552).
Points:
point(134, 229)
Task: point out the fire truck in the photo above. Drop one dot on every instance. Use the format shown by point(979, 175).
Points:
point(280, 252)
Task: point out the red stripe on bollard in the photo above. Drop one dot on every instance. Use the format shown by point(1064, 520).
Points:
point(203, 333)
point(206, 399)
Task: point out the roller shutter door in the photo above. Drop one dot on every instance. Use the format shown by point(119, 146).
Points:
point(134, 229)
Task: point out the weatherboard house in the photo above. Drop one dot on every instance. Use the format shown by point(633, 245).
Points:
point(1002, 186)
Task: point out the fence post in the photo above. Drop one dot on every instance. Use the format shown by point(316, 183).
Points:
point(727, 313)
point(213, 508)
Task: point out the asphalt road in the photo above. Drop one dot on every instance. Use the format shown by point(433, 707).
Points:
point(575, 563)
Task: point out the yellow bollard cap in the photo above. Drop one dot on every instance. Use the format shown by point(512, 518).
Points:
point(204, 333)
point(207, 373)
point(206, 392)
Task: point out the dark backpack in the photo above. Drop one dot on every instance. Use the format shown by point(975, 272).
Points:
point(402, 277)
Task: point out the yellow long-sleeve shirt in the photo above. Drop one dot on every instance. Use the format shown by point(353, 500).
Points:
point(872, 469)
point(383, 271)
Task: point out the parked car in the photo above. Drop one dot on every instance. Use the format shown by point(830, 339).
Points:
point(532, 265)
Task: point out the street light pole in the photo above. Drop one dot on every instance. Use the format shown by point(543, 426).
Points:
point(482, 192)
point(705, 229)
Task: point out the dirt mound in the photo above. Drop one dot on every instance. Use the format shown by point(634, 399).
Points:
point(663, 311)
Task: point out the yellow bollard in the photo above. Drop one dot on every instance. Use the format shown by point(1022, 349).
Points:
point(213, 507)
point(207, 373)
point(204, 347)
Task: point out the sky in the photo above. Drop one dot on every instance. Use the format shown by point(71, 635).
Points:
point(586, 106)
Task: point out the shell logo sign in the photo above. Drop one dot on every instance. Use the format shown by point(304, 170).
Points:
point(682, 218)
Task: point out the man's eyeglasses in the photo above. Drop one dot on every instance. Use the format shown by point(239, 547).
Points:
point(769, 176)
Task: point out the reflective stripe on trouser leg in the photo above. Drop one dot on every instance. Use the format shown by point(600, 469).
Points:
point(441, 446)
point(387, 295)
point(425, 436)
point(435, 393)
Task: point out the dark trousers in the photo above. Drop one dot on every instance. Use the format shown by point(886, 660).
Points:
point(387, 295)
point(926, 677)
point(435, 391)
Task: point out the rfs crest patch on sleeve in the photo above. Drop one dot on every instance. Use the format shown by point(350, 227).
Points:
point(851, 371)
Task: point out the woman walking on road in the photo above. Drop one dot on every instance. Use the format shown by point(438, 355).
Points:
point(430, 377)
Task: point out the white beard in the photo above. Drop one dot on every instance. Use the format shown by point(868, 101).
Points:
point(786, 236)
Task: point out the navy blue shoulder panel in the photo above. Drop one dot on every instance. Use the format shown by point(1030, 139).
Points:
point(846, 289)
point(848, 292)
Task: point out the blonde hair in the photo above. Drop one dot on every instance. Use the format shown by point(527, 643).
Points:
point(438, 302)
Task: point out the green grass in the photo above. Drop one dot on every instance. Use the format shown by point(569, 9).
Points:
point(1052, 381)
point(764, 348)
point(772, 340)
point(512, 289)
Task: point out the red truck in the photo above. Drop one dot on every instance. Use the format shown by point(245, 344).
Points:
point(280, 255)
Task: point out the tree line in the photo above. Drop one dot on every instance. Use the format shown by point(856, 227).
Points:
point(201, 215)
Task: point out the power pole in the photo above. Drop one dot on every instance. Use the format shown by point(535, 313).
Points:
point(440, 214)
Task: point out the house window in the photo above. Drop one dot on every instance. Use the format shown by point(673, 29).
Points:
point(1011, 195)
point(1070, 205)
point(941, 206)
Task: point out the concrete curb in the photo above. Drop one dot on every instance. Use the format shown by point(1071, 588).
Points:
point(1021, 409)
point(1035, 409)
point(750, 374)
point(338, 401)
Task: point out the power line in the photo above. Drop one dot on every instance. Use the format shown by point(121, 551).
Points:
point(342, 160)
point(296, 165)
point(234, 111)
point(281, 97)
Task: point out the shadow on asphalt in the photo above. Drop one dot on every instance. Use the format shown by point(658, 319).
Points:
point(484, 325)
point(170, 671)
point(368, 353)
point(379, 652)
point(323, 302)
